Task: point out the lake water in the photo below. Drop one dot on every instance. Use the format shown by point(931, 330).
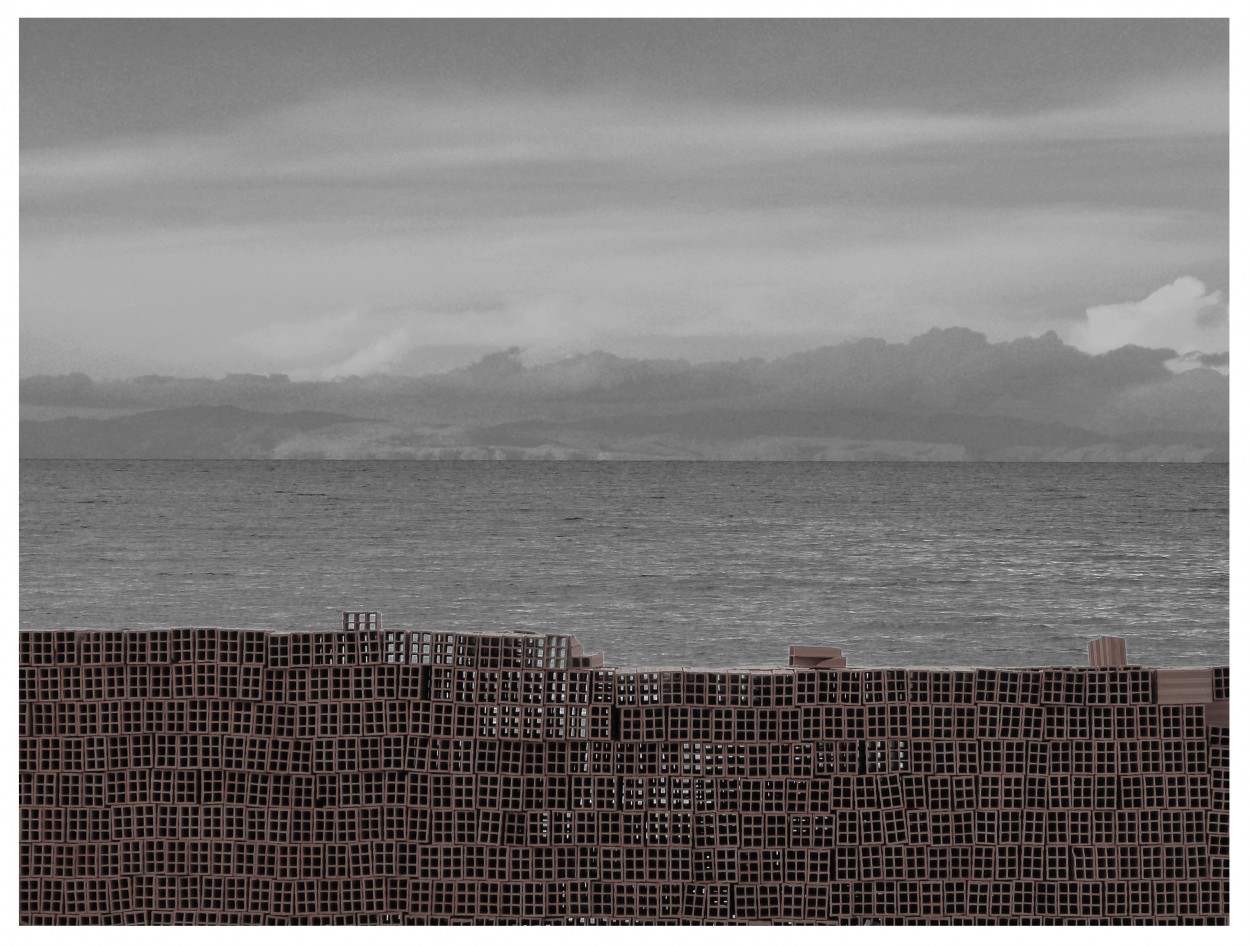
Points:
point(656, 564)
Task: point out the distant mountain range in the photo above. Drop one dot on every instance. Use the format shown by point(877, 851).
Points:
point(232, 433)
point(181, 434)
point(946, 395)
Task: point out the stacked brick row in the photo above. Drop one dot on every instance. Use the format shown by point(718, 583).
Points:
point(373, 776)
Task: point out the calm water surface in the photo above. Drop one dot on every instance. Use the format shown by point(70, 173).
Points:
point(656, 564)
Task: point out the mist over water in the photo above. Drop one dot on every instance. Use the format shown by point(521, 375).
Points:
point(656, 564)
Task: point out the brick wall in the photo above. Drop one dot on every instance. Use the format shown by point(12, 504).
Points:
point(371, 776)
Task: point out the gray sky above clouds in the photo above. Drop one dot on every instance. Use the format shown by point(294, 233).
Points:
point(343, 197)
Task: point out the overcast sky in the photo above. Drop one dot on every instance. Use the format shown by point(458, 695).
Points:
point(325, 198)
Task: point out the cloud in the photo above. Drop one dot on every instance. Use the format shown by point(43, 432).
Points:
point(1186, 104)
point(307, 340)
point(378, 356)
point(570, 221)
point(381, 136)
point(1194, 400)
point(342, 344)
point(1176, 316)
point(943, 371)
point(1216, 361)
point(218, 298)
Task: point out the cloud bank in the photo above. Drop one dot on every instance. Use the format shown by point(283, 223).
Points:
point(954, 371)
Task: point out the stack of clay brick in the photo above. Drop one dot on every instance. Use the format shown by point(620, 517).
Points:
point(377, 776)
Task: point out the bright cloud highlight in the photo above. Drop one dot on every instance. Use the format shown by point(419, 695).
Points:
point(1182, 316)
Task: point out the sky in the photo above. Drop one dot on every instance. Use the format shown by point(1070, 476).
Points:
point(328, 198)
